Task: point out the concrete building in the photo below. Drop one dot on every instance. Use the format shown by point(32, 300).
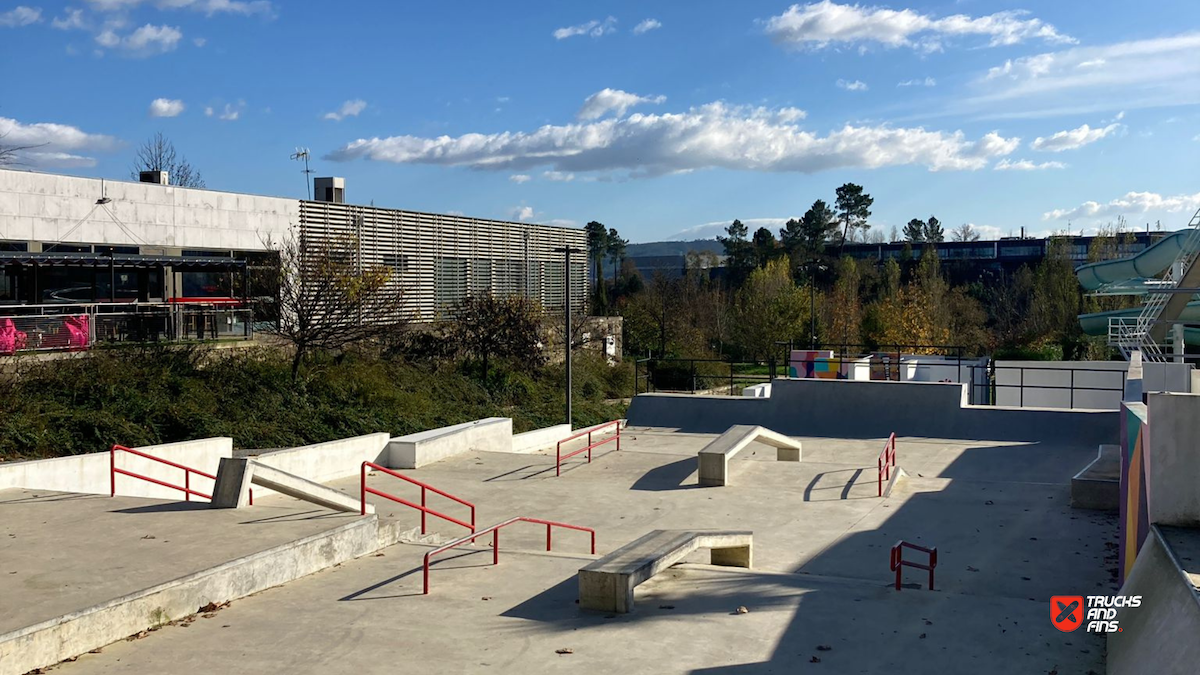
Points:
point(66, 239)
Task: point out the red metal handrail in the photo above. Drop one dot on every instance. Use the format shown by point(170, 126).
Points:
point(898, 561)
point(495, 530)
point(886, 461)
point(420, 507)
point(186, 488)
point(559, 457)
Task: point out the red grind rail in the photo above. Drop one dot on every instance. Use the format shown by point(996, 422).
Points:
point(186, 488)
point(420, 507)
point(898, 561)
point(559, 457)
point(887, 461)
point(495, 530)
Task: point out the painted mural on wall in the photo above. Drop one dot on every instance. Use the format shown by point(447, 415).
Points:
point(1135, 519)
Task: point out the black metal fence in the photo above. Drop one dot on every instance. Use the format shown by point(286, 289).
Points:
point(717, 376)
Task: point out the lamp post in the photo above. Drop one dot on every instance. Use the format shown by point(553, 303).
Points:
point(567, 251)
point(813, 266)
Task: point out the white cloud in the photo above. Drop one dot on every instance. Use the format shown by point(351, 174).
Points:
point(166, 107)
point(1072, 139)
point(606, 100)
point(646, 26)
point(55, 145)
point(1026, 165)
point(1196, 138)
point(229, 113)
point(715, 135)
point(199, 42)
point(521, 213)
point(71, 20)
point(855, 85)
point(349, 109)
point(594, 28)
point(1131, 203)
point(208, 7)
point(145, 41)
point(20, 16)
point(926, 82)
point(1159, 72)
point(717, 227)
point(821, 24)
point(519, 178)
point(558, 176)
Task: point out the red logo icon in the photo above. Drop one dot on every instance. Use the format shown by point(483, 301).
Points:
point(1066, 612)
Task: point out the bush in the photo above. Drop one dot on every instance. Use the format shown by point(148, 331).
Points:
point(141, 396)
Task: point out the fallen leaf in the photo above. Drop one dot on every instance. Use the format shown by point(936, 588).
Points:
point(741, 610)
point(814, 660)
point(921, 636)
point(564, 650)
point(823, 648)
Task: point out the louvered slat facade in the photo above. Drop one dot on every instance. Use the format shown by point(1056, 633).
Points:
point(440, 259)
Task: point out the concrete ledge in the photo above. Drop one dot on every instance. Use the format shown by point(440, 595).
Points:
point(607, 584)
point(49, 642)
point(89, 474)
point(714, 458)
point(493, 434)
point(1098, 485)
point(540, 439)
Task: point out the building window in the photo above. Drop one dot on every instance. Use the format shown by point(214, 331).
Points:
point(398, 263)
point(65, 248)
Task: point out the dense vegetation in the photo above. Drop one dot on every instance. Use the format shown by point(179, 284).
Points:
point(156, 395)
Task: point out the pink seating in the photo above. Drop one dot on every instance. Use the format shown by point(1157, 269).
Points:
point(11, 339)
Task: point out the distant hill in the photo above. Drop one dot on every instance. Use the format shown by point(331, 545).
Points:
point(665, 248)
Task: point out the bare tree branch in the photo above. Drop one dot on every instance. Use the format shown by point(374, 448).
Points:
point(158, 154)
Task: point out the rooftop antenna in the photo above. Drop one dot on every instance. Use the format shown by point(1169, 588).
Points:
point(302, 154)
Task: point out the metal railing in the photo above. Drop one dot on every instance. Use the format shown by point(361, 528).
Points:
point(992, 387)
point(425, 487)
point(559, 457)
point(697, 375)
point(886, 461)
point(186, 488)
point(897, 560)
point(80, 326)
point(495, 532)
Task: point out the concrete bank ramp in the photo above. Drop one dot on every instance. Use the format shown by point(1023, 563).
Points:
point(1160, 636)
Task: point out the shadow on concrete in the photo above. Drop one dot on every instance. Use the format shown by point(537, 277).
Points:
point(53, 497)
point(169, 507)
point(845, 489)
point(315, 514)
point(535, 470)
point(667, 477)
point(433, 567)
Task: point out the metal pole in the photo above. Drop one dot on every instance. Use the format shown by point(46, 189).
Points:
point(567, 251)
point(812, 306)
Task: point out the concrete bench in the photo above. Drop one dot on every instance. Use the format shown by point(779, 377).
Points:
point(714, 457)
point(607, 584)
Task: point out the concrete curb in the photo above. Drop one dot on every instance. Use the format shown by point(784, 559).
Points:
point(49, 642)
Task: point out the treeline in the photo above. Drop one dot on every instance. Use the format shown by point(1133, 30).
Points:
point(798, 287)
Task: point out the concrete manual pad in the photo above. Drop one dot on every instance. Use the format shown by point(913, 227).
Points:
point(63, 552)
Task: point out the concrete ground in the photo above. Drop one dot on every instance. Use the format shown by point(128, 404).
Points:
point(998, 514)
point(63, 552)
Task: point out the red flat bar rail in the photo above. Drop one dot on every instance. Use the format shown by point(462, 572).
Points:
point(559, 457)
point(186, 488)
point(898, 561)
point(495, 530)
point(425, 487)
point(886, 461)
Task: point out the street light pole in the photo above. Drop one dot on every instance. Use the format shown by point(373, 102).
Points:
point(567, 251)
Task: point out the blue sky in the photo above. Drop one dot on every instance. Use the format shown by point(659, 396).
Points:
point(664, 120)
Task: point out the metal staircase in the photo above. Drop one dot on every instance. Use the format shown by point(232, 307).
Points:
point(1128, 333)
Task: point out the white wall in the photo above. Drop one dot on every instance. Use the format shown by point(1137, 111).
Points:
point(1042, 379)
point(47, 207)
point(540, 439)
point(491, 434)
point(90, 473)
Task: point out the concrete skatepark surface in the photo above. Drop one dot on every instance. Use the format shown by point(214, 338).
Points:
point(998, 513)
point(61, 552)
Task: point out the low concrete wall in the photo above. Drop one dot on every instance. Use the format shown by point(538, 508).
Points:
point(493, 434)
point(51, 641)
point(90, 473)
point(1173, 464)
point(1160, 635)
point(329, 461)
point(540, 439)
point(874, 409)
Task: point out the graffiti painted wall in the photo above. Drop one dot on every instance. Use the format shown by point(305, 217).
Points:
point(1135, 519)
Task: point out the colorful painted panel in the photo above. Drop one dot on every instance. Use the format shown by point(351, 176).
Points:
point(1135, 519)
point(808, 363)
